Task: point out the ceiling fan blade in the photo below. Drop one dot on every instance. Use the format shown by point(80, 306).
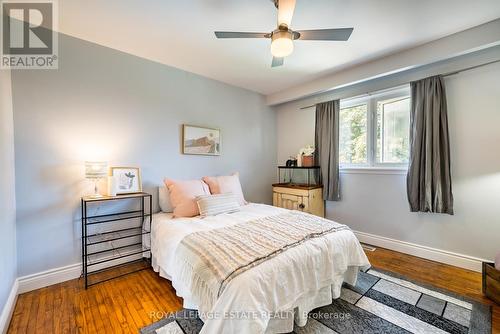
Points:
point(277, 61)
point(285, 12)
point(235, 34)
point(342, 34)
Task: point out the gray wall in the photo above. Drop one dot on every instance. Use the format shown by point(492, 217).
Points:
point(377, 203)
point(8, 267)
point(104, 104)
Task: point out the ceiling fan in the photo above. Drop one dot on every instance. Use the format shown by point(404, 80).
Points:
point(282, 38)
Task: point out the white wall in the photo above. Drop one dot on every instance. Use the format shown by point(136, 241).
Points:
point(105, 104)
point(8, 263)
point(377, 203)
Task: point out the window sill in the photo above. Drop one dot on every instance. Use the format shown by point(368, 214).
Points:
point(375, 170)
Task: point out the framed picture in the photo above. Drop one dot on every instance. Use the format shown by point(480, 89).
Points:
point(125, 180)
point(200, 140)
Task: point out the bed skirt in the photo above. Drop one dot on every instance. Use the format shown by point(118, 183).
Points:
point(298, 313)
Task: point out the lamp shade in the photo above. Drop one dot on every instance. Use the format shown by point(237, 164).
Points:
point(282, 44)
point(96, 169)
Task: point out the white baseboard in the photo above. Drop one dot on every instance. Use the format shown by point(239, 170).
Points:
point(66, 273)
point(8, 309)
point(49, 277)
point(434, 254)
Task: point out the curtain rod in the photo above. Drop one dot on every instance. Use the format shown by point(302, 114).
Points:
point(444, 75)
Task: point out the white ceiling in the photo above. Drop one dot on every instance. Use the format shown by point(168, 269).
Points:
point(180, 33)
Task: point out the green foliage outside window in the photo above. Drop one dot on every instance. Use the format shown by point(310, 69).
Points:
point(353, 126)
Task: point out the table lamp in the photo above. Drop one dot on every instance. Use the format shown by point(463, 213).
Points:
point(96, 170)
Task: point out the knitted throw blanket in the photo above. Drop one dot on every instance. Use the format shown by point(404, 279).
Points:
point(211, 259)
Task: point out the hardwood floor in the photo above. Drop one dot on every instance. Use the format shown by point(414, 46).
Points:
point(122, 305)
point(461, 281)
point(128, 303)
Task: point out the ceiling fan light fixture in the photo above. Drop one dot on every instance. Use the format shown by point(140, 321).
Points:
point(282, 38)
point(281, 44)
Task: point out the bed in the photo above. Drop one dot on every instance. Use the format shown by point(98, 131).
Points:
point(268, 297)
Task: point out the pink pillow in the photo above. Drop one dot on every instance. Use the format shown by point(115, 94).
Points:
point(226, 184)
point(183, 196)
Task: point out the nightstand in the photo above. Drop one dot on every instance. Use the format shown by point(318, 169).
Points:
point(117, 239)
point(299, 197)
point(299, 188)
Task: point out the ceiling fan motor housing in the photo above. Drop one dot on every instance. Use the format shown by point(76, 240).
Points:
point(282, 34)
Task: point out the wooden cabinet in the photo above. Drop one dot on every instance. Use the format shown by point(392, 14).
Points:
point(303, 198)
point(491, 282)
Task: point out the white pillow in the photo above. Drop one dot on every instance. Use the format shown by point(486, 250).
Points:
point(212, 205)
point(164, 200)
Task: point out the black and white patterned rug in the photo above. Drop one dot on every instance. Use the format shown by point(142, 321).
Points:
point(381, 302)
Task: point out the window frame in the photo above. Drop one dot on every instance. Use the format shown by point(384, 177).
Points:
point(371, 102)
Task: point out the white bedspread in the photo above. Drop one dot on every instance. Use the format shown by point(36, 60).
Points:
point(299, 279)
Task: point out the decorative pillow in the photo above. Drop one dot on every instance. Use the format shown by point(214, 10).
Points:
point(226, 184)
point(164, 199)
point(212, 205)
point(183, 196)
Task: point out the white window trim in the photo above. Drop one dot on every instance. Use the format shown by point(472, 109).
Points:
point(372, 167)
point(374, 170)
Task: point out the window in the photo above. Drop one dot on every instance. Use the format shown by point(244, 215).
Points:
point(353, 135)
point(374, 131)
point(393, 130)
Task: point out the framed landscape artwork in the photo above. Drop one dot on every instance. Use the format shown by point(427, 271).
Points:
point(200, 140)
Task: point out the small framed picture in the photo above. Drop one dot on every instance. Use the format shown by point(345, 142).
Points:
point(200, 140)
point(124, 180)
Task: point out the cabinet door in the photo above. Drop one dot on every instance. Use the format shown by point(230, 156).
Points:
point(291, 202)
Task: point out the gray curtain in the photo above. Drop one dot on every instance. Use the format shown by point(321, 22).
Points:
point(327, 148)
point(429, 176)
